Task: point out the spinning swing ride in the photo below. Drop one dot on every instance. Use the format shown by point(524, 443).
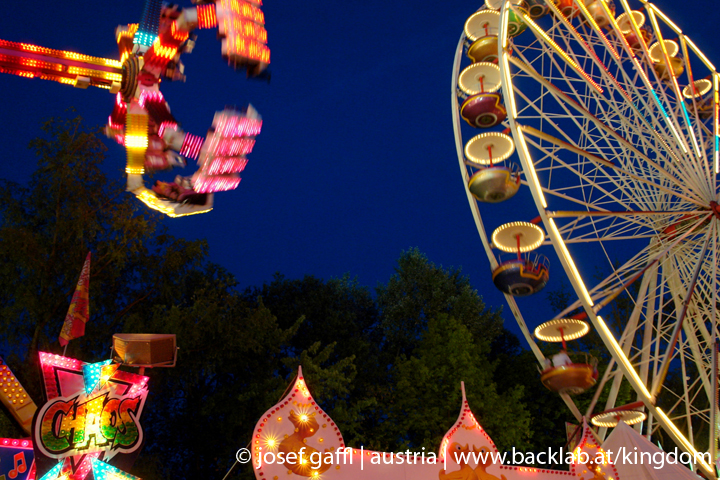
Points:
point(613, 113)
point(141, 120)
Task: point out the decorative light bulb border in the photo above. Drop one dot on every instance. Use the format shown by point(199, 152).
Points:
point(86, 400)
point(573, 329)
point(530, 238)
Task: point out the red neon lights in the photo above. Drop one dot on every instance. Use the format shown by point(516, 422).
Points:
point(206, 16)
point(241, 23)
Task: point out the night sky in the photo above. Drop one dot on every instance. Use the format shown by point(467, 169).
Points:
point(356, 161)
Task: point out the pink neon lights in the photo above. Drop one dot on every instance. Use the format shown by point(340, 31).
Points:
point(139, 382)
point(54, 360)
point(117, 117)
point(223, 147)
point(164, 125)
point(156, 106)
point(224, 165)
point(191, 146)
point(229, 124)
point(226, 147)
point(13, 442)
point(150, 96)
point(215, 183)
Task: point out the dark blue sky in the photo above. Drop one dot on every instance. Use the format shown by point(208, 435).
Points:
point(356, 161)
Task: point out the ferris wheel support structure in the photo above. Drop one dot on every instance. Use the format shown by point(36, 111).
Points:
point(618, 354)
point(621, 165)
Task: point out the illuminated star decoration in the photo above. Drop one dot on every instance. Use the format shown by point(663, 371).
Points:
point(64, 379)
point(16, 459)
point(96, 375)
point(103, 471)
point(55, 473)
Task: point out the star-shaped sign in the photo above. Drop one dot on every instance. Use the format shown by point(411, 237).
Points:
point(93, 412)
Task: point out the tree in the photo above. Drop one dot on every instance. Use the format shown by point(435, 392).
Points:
point(548, 413)
point(386, 368)
point(419, 291)
point(235, 360)
point(436, 332)
point(340, 326)
point(427, 396)
point(70, 207)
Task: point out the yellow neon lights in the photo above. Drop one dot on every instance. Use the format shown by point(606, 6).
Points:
point(504, 22)
point(673, 81)
point(488, 148)
point(152, 201)
point(481, 24)
point(136, 141)
point(699, 458)
point(702, 87)
point(611, 419)
point(625, 22)
point(665, 19)
point(573, 328)
point(507, 236)
point(481, 77)
point(510, 98)
point(571, 264)
point(656, 50)
point(531, 167)
point(86, 72)
point(539, 31)
point(699, 53)
point(621, 355)
point(581, 5)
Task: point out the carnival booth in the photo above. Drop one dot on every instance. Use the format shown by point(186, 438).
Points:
point(626, 440)
point(295, 439)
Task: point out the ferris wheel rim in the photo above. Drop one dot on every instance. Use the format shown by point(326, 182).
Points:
point(699, 216)
point(556, 239)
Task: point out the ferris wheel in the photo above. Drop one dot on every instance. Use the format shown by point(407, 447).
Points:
point(611, 112)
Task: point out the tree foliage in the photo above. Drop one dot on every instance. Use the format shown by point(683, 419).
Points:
point(385, 364)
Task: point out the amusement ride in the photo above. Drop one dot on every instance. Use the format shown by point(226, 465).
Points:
point(611, 112)
point(141, 120)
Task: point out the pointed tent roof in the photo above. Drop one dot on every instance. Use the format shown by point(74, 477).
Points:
point(625, 436)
